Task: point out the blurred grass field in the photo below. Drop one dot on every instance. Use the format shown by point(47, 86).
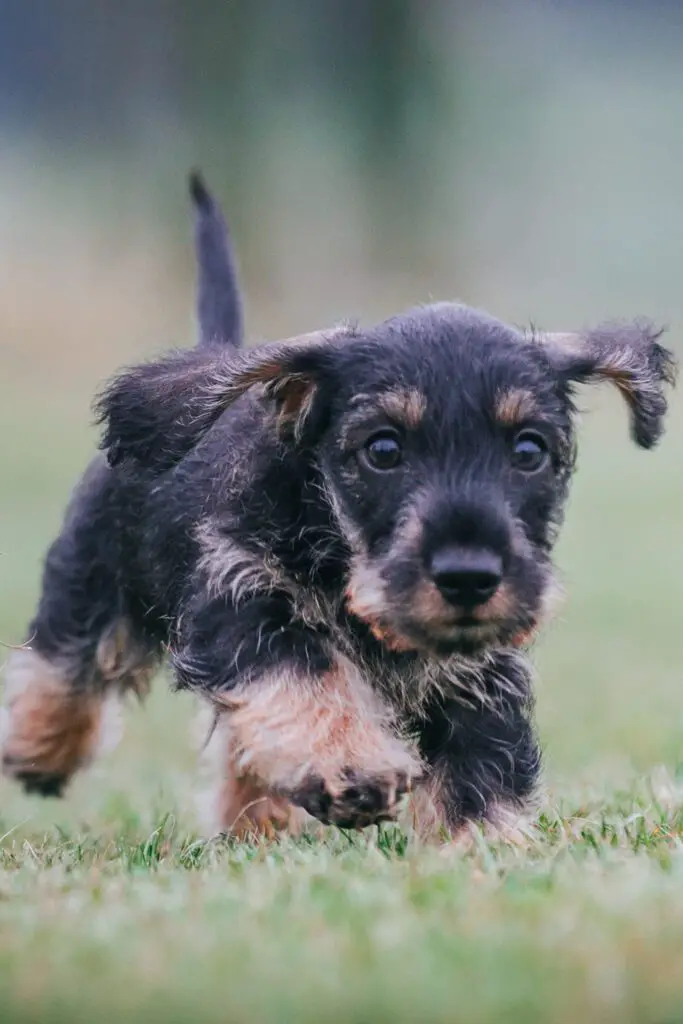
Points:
point(110, 907)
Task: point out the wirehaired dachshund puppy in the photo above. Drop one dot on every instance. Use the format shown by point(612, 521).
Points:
point(342, 540)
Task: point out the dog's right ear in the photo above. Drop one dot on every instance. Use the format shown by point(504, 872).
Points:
point(154, 414)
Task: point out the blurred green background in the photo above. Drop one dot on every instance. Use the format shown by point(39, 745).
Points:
point(525, 157)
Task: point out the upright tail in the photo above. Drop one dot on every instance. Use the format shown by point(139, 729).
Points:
point(219, 304)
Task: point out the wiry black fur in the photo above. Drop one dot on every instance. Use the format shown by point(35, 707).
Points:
point(261, 456)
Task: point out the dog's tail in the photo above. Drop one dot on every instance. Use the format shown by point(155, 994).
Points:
point(219, 304)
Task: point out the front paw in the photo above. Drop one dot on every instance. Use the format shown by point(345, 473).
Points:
point(356, 799)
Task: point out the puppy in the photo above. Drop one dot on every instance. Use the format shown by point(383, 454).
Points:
point(343, 541)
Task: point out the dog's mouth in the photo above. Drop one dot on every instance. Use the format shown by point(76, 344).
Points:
point(463, 638)
point(418, 619)
point(466, 635)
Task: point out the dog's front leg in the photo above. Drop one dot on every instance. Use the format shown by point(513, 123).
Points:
point(299, 722)
point(483, 767)
point(326, 742)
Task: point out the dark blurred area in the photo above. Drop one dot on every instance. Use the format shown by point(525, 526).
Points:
point(523, 155)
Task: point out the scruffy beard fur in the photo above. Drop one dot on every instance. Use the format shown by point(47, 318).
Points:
point(343, 541)
point(394, 596)
point(418, 619)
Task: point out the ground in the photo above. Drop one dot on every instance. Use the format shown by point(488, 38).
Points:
point(111, 908)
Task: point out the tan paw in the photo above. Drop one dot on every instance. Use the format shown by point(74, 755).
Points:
point(355, 799)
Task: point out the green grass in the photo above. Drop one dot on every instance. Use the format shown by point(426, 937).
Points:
point(112, 909)
point(585, 923)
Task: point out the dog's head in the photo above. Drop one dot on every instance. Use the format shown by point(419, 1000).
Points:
point(445, 443)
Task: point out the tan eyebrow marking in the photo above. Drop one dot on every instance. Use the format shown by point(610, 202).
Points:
point(407, 405)
point(515, 405)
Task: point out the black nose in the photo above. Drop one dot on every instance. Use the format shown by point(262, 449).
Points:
point(466, 577)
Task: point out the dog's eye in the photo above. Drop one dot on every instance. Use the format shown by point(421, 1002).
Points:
point(383, 451)
point(529, 451)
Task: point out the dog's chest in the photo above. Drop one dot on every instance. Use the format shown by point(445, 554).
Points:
point(411, 682)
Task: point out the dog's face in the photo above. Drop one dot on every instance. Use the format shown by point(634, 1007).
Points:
point(446, 455)
point(445, 444)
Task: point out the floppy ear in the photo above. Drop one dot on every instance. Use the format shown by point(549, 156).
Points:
point(630, 357)
point(154, 414)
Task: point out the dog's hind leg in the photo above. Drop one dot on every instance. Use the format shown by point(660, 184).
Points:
point(234, 803)
point(84, 648)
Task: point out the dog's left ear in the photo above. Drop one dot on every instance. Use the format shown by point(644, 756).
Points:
point(628, 356)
